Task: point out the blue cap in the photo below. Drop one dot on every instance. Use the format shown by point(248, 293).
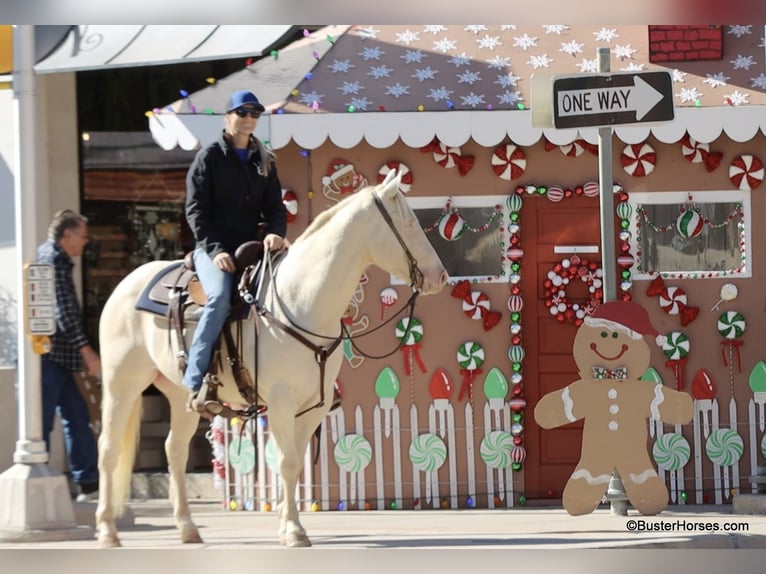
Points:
point(243, 98)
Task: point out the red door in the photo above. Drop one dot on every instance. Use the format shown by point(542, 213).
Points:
point(551, 232)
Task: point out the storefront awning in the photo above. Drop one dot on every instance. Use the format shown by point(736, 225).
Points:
point(89, 47)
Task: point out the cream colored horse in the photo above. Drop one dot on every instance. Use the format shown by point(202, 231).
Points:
point(315, 282)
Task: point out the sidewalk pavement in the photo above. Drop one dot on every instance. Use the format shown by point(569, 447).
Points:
point(538, 528)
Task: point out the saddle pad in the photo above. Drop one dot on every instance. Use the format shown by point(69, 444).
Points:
point(147, 303)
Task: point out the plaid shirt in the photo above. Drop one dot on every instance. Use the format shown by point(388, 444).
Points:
point(69, 336)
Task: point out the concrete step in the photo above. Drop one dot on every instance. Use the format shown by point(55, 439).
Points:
point(150, 485)
point(749, 504)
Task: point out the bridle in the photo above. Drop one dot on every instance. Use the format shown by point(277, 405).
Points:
point(322, 353)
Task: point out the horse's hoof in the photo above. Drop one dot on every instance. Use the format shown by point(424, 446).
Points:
point(297, 541)
point(191, 537)
point(109, 541)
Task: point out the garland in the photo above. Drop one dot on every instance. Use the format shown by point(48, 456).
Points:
point(448, 209)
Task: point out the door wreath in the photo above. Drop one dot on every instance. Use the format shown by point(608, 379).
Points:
point(556, 300)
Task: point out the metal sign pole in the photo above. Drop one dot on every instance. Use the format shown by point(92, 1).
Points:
point(615, 493)
point(35, 503)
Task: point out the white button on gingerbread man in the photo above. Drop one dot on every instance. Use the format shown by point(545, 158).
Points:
point(611, 356)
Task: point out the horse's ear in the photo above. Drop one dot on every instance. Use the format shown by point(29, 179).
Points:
point(390, 185)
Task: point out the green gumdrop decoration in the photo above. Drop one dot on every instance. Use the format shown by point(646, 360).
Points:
point(757, 379)
point(387, 384)
point(495, 384)
point(652, 376)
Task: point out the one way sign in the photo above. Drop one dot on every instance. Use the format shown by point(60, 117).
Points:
point(610, 99)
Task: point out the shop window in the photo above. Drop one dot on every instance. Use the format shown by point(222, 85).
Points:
point(467, 233)
point(691, 235)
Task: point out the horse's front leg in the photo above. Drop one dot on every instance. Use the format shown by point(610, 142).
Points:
point(183, 425)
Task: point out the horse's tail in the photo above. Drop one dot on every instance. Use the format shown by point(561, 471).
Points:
point(124, 469)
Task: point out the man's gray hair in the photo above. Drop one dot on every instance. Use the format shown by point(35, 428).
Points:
point(63, 220)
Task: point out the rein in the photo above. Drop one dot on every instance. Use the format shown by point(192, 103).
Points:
point(322, 353)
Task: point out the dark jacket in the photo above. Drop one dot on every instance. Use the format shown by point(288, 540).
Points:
point(226, 199)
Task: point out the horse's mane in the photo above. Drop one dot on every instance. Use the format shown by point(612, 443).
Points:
point(325, 216)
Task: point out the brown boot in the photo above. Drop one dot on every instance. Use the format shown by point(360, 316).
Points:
point(202, 402)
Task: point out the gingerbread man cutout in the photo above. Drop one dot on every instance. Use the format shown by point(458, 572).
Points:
point(611, 356)
point(341, 179)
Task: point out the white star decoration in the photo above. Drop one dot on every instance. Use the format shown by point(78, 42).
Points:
point(350, 88)
point(413, 56)
point(586, 65)
point(742, 62)
point(689, 95)
point(506, 80)
point(555, 29)
point(736, 99)
point(475, 29)
point(472, 100)
point(489, 42)
point(758, 82)
point(572, 48)
point(439, 94)
point(739, 30)
point(510, 98)
point(606, 35)
point(371, 53)
point(468, 77)
point(397, 90)
point(379, 72)
point(368, 33)
point(524, 42)
point(341, 66)
point(498, 63)
point(632, 67)
point(311, 97)
point(445, 45)
point(425, 74)
point(360, 104)
point(506, 27)
point(407, 37)
point(540, 61)
point(716, 80)
point(623, 52)
point(434, 29)
point(459, 60)
point(679, 76)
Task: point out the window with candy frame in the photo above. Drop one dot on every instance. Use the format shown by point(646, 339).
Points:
point(475, 251)
point(696, 235)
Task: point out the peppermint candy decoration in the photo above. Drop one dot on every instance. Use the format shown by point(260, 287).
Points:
point(731, 324)
point(690, 223)
point(509, 162)
point(638, 160)
point(746, 172)
point(515, 303)
point(445, 156)
point(352, 453)
point(573, 149)
point(495, 449)
point(671, 451)
point(406, 183)
point(676, 346)
point(409, 336)
point(693, 150)
point(470, 355)
point(555, 193)
point(427, 452)
point(291, 204)
point(452, 226)
point(672, 300)
point(476, 305)
point(242, 454)
point(724, 447)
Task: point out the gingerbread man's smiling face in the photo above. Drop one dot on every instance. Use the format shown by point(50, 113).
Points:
point(598, 347)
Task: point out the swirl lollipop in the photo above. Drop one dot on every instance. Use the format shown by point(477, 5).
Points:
point(388, 298)
point(676, 348)
point(352, 453)
point(495, 449)
point(427, 452)
point(470, 356)
point(409, 332)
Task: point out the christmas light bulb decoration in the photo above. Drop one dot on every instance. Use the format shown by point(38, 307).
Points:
point(441, 385)
point(495, 384)
point(387, 386)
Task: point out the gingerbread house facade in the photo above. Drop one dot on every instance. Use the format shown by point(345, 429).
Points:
point(514, 211)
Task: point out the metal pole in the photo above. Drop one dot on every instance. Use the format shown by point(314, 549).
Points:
point(615, 492)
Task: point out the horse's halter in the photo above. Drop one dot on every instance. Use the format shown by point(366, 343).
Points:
point(416, 275)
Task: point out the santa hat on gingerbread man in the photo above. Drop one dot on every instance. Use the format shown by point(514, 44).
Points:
point(625, 316)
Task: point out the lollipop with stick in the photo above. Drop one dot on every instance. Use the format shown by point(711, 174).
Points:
point(728, 293)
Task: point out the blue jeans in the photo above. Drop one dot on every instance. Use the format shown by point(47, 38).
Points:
point(60, 392)
point(218, 286)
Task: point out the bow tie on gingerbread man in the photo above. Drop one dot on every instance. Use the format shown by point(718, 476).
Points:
point(672, 300)
point(620, 373)
point(476, 304)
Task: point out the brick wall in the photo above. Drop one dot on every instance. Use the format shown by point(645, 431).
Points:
point(685, 43)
